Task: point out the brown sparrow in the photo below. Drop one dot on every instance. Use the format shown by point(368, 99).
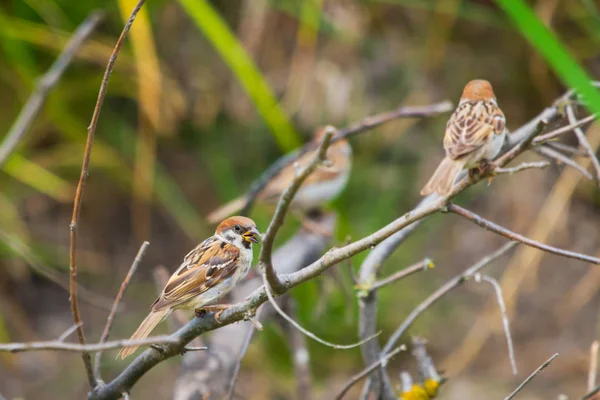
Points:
point(207, 273)
point(474, 135)
point(323, 185)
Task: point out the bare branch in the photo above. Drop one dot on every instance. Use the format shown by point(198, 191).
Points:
point(420, 266)
point(45, 84)
point(590, 395)
point(442, 291)
point(283, 205)
point(488, 225)
point(566, 148)
point(530, 377)
point(55, 345)
point(505, 324)
point(87, 361)
point(115, 306)
point(68, 332)
point(374, 121)
point(584, 143)
point(356, 378)
point(522, 166)
point(562, 159)
point(593, 371)
point(568, 128)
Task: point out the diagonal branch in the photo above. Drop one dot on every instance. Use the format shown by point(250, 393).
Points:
point(584, 143)
point(45, 84)
point(488, 225)
point(264, 258)
point(113, 311)
point(442, 291)
point(530, 377)
point(561, 158)
point(403, 273)
point(87, 361)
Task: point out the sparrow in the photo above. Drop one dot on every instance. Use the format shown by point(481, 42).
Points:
point(474, 135)
point(323, 185)
point(207, 273)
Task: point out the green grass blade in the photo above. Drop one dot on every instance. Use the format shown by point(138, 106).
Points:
point(555, 53)
point(236, 57)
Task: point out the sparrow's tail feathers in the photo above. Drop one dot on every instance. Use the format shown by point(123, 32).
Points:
point(226, 210)
point(443, 178)
point(147, 326)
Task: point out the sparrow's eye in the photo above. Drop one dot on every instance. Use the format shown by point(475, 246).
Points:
point(237, 228)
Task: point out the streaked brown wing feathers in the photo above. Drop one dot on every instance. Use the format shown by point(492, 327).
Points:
point(205, 266)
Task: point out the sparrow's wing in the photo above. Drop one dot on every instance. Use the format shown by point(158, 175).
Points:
point(209, 263)
point(338, 162)
point(471, 126)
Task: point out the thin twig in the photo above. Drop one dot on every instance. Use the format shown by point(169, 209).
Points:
point(188, 349)
point(68, 332)
point(442, 291)
point(306, 331)
point(115, 306)
point(593, 371)
point(45, 84)
point(283, 205)
point(420, 266)
point(566, 148)
point(485, 224)
point(87, 361)
point(568, 128)
point(522, 166)
point(562, 159)
point(55, 345)
point(356, 378)
point(505, 323)
point(238, 362)
point(591, 394)
point(584, 143)
point(530, 377)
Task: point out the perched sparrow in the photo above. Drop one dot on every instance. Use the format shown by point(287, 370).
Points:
point(474, 135)
point(207, 273)
point(323, 185)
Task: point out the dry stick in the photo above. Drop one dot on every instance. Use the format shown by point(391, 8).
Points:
point(584, 143)
point(488, 225)
point(238, 363)
point(356, 378)
point(442, 291)
point(522, 166)
point(56, 345)
point(593, 371)
point(561, 158)
point(505, 324)
point(87, 361)
point(568, 128)
point(266, 250)
point(566, 148)
point(520, 141)
point(591, 394)
point(530, 377)
point(115, 306)
point(363, 125)
point(67, 333)
point(45, 84)
point(306, 331)
point(420, 266)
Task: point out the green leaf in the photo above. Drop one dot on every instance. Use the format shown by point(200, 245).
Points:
point(236, 57)
point(555, 53)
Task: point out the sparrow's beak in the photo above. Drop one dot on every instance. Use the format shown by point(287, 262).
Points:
point(252, 235)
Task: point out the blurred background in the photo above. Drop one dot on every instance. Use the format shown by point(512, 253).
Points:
point(190, 120)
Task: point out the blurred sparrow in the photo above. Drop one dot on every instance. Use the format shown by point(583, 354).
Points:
point(323, 185)
point(207, 273)
point(474, 135)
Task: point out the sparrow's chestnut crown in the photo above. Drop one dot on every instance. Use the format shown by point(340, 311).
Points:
point(242, 226)
point(478, 89)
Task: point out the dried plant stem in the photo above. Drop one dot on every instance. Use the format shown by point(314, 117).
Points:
point(45, 84)
point(115, 306)
point(584, 143)
point(522, 166)
point(530, 377)
point(593, 370)
point(562, 159)
point(87, 361)
point(56, 345)
point(403, 273)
